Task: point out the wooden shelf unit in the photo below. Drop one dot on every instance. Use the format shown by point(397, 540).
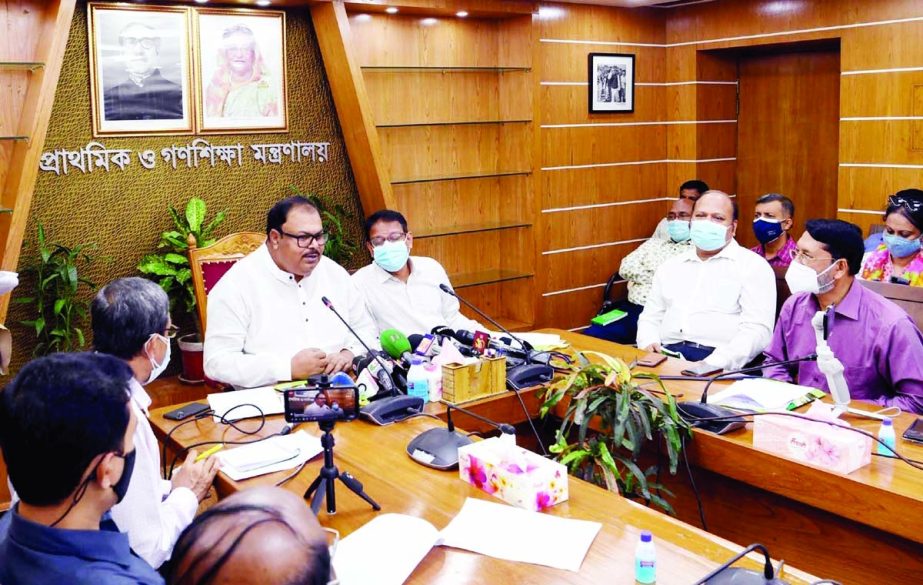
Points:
point(21, 65)
point(452, 105)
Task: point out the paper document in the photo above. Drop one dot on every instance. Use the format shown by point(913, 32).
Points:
point(275, 454)
point(266, 398)
point(541, 341)
point(761, 394)
point(385, 551)
point(514, 534)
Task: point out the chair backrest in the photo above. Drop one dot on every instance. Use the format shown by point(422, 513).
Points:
point(210, 263)
point(782, 290)
point(909, 298)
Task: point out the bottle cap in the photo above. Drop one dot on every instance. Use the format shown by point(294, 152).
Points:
point(645, 536)
point(887, 422)
point(416, 361)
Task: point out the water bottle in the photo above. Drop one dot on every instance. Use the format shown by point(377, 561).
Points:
point(645, 559)
point(434, 375)
point(886, 436)
point(417, 379)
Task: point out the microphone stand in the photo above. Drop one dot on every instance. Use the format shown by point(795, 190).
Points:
point(692, 411)
point(438, 448)
point(723, 575)
point(371, 352)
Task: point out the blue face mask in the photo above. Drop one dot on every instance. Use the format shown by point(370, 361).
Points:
point(767, 230)
point(708, 235)
point(391, 256)
point(679, 230)
point(901, 247)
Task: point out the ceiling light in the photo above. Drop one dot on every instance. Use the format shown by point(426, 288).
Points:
point(461, 14)
point(261, 2)
point(550, 12)
point(363, 17)
point(391, 9)
point(428, 21)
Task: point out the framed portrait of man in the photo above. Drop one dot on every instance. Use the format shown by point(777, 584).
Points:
point(240, 71)
point(140, 70)
point(611, 82)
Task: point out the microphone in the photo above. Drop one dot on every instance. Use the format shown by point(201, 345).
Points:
point(395, 345)
point(723, 575)
point(467, 338)
point(692, 410)
point(438, 448)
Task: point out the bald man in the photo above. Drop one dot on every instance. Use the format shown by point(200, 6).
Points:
point(263, 535)
point(714, 303)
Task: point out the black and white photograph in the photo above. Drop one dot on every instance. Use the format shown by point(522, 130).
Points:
point(240, 60)
point(140, 73)
point(611, 82)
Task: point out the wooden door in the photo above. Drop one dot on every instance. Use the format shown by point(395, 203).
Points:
point(788, 134)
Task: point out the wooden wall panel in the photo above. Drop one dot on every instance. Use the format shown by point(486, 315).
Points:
point(863, 220)
point(716, 141)
point(583, 267)
point(880, 141)
point(601, 23)
point(442, 204)
point(701, 102)
point(602, 144)
point(570, 310)
point(884, 94)
point(586, 227)
point(868, 188)
point(718, 175)
point(895, 45)
point(568, 62)
point(567, 104)
point(496, 250)
point(512, 300)
point(570, 187)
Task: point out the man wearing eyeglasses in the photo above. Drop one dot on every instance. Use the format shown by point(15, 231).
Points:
point(877, 342)
point(402, 291)
point(146, 94)
point(266, 320)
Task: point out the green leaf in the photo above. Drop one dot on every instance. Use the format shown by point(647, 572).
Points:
point(152, 264)
point(184, 275)
point(39, 325)
point(195, 214)
point(214, 223)
point(80, 339)
point(178, 221)
point(58, 305)
point(175, 258)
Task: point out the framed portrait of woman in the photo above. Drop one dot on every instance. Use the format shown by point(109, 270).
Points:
point(140, 70)
point(240, 71)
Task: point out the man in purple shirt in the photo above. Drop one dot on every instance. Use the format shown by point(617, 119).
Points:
point(772, 220)
point(877, 342)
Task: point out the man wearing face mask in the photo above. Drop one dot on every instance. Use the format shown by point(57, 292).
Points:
point(638, 269)
point(67, 434)
point(772, 220)
point(714, 303)
point(876, 341)
point(131, 321)
point(402, 291)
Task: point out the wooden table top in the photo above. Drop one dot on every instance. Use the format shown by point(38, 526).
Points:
point(376, 456)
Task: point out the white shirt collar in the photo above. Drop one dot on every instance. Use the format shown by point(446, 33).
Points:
point(139, 395)
point(383, 275)
point(270, 265)
point(728, 251)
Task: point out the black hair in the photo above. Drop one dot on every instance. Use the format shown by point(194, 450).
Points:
point(315, 572)
point(841, 238)
point(787, 204)
point(694, 184)
point(58, 414)
point(914, 217)
point(386, 215)
point(278, 213)
point(126, 312)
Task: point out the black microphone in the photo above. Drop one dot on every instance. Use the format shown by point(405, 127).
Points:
point(692, 411)
point(467, 338)
point(438, 448)
point(448, 290)
point(384, 378)
point(723, 575)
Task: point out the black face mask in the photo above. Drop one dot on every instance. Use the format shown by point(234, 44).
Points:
point(121, 486)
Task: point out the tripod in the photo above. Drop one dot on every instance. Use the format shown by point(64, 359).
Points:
point(324, 484)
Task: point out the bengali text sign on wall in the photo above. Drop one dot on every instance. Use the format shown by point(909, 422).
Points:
point(95, 156)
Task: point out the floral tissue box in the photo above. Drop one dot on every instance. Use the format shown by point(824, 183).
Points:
point(513, 474)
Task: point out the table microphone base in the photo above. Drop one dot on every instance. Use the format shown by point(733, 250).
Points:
point(437, 448)
point(693, 411)
point(743, 577)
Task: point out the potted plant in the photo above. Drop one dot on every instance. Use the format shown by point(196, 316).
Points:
point(339, 248)
point(170, 268)
point(608, 419)
point(59, 305)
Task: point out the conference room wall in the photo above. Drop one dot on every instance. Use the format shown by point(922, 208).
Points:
point(124, 212)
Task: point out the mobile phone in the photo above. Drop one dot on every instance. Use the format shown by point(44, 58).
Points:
point(671, 353)
point(322, 403)
point(651, 360)
point(186, 411)
point(701, 369)
point(915, 431)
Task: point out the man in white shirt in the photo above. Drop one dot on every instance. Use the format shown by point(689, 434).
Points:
point(402, 291)
point(690, 191)
point(267, 321)
point(715, 302)
point(131, 321)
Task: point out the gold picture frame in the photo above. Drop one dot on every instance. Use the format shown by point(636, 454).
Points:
point(240, 71)
point(141, 74)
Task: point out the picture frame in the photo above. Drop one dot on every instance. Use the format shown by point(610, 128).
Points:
point(240, 71)
point(611, 82)
point(140, 70)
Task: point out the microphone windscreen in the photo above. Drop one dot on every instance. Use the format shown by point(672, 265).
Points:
point(464, 336)
point(414, 341)
point(394, 343)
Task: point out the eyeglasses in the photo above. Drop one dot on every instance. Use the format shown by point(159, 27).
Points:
point(912, 205)
point(395, 237)
point(306, 240)
point(333, 539)
point(172, 330)
point(802, 258)
point(145, 42)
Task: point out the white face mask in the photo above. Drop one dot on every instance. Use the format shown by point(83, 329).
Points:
point(157, 369)
point(801, 278)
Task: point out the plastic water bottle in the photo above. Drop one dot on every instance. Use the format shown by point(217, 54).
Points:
point(886, 436)
point(645, 559)
point(434, 375)
point(417, 380)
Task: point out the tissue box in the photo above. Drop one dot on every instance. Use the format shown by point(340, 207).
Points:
point(513, 474)
point(815, 443)
point(469, 382)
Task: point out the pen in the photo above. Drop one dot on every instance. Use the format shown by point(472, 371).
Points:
point(210, 452)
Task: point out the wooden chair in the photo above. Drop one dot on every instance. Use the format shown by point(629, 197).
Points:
point(210, 263)
point(909, 298)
